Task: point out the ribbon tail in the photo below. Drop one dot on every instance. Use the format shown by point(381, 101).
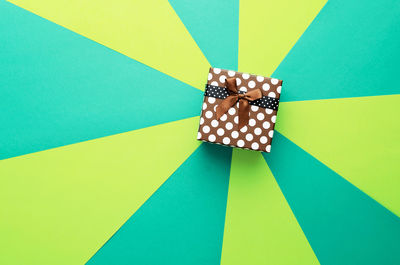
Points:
point(244, 113)
point(225, 105)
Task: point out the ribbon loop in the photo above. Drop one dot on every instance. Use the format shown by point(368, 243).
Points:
point(235, 96)
point(231, 85)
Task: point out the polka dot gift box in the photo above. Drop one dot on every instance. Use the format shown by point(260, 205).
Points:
point(239, 109)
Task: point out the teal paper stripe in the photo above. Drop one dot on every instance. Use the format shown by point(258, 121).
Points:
point(183, 222)
point(214, 25)
point(350, 50)
point(59, 88)
point(342, 224)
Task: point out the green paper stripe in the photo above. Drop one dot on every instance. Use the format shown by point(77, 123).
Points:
point(342, 224)
point(147, 31)
point(268, 29)
point(214, 25)
point(61, 205)
point(58, 88)
point(260, 227)
point(183, 222)
point(358, 138)
point(350, 50)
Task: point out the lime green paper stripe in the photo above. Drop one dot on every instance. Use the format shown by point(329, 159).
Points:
point(359, 138)
point(148, 31)
point(61, 88)
point(351, 49)
point(183, 222)
point(343, 225)
point(268, 30)
point(260, 227)
point(61, 205)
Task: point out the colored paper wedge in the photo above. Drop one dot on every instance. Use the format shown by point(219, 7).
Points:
point(342, 224)
point(260, 227)
point(59, 88)
point(147, 31)
point(350, 50)
point(358, 138)
point(269, 29)
point(214, 25)
point(61, 205)
point(183, 222)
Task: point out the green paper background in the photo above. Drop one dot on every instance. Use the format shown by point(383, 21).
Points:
point(99, 162)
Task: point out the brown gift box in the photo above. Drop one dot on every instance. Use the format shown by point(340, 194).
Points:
point(258, 132)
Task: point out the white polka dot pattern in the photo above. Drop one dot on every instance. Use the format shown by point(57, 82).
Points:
point(235, 134)
point(265, 87)
point(252, 84)
point(214, 123)
point(260, 78)
point(217, 70)
point(274, 81)
point(243, 88)
point(214, 92)
point(257, 135)
point(267, 102)
point(212, 138)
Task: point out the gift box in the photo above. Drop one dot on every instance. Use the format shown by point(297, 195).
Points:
point(239, 109)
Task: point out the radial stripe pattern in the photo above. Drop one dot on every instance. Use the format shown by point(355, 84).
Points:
point(342, 224)
point(147, 31)
point(74, 72)
point(61, 205)
point(361, 140)
point(265, 232)
point(60, 88)
point(180, 222)
point(268, 29)
point(350, 50)
point(214, 25)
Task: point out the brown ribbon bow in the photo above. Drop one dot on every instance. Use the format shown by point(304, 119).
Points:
point(234, 96)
